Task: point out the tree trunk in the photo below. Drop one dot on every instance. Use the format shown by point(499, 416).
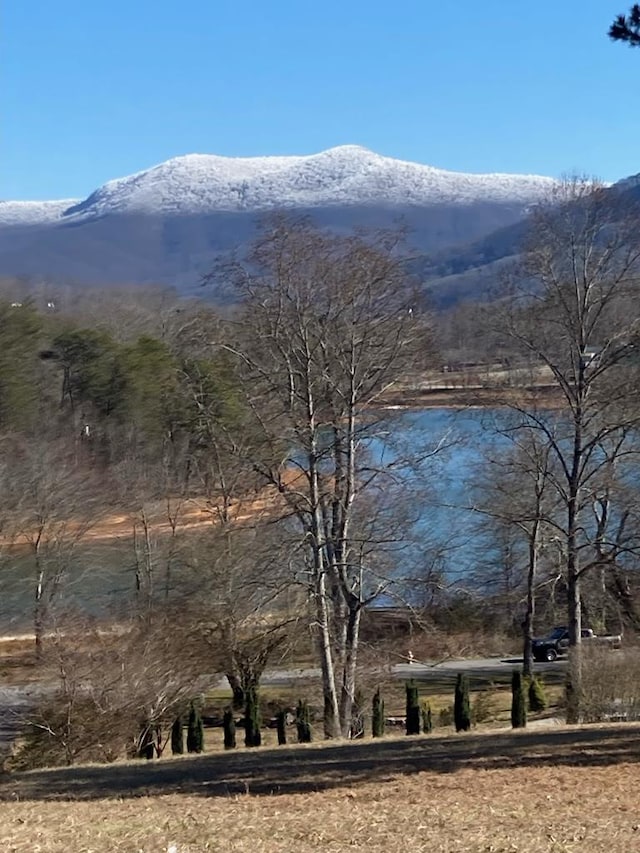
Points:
point(349, 671)
point(574, 672)
point(38, 609)
point(252, 734)
point(329, 692)
point(527, 625)
point(239, 697)
point(574, 612)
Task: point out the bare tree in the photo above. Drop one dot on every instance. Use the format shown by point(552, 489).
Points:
point(117, 692)
point(246, 609)
point(328, 324)
point(243, 603)
point(573, 308)
point(516, 495)
point(51, 504)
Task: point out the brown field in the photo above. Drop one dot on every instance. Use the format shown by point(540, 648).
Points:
point(566, 789)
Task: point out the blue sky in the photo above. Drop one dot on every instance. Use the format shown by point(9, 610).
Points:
point(96, 89)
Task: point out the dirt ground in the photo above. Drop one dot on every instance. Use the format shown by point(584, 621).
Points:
point(566, 789)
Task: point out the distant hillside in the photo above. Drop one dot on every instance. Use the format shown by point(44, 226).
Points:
point(472, 270)
point(168, 224)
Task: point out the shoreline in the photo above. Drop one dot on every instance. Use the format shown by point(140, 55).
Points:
point(543, 396)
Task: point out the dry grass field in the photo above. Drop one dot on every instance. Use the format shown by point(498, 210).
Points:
point(557, 790)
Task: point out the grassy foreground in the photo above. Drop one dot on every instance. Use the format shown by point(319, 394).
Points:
point(565, 789)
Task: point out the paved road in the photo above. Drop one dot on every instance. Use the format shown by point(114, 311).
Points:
point(480, 669)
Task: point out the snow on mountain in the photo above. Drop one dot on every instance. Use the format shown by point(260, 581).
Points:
point(169, 224)
point(33, 212)
point(347, 175)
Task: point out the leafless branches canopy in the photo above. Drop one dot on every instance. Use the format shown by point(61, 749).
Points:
point(573, 306)
point(327, 325)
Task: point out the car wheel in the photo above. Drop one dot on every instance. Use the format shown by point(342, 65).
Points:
point(551, 655)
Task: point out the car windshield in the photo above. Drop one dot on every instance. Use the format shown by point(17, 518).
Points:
point(557, 633)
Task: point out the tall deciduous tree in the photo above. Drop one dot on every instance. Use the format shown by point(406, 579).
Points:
point(516, 496)
point(240, 559)
point(328, 325)
point(573, 309)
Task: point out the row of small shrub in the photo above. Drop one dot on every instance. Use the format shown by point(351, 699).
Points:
point(50, 743)
point(463, 714)
point(419, 713)
point(251, 724)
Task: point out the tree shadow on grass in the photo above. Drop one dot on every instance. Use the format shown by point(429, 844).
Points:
point(315, 768)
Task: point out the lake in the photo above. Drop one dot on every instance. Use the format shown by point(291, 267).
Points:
point(101, 577)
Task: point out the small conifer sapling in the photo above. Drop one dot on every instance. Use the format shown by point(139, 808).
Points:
point(195, 730)
point(281, 726)
point(427, 718)
point(461, 704)
point(303, 722)
point(377, 715)
point(229, 727)
point(412, 708)
point(518, 702)
point(177, 736)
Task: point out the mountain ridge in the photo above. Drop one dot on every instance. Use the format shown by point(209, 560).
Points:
point(348, 174)
point(168, 224)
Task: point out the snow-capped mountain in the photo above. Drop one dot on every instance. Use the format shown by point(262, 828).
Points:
point(33, 212)
point(168, 223)
point(200, 183)
point(347, 175)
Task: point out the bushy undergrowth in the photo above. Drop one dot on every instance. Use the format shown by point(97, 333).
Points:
point(52, 737)
point(116, 696)
point(610, 684)
point(445, 716)
point(437, 645)
point(536, 695)
point(482, 708)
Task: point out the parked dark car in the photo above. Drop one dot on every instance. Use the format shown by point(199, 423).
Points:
point(557, 643)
